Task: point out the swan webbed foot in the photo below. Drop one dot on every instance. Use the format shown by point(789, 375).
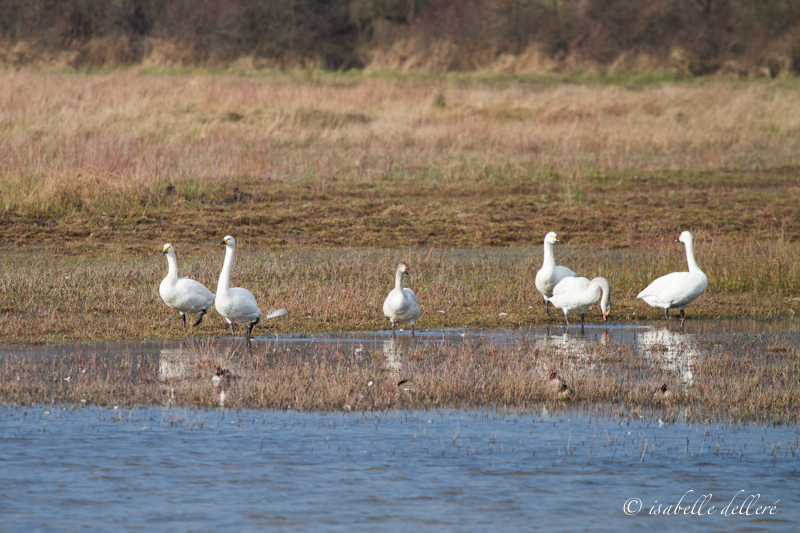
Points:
point(199, 319)
point(250, 327)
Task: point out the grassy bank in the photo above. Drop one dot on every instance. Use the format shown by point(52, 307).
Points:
point(52, 297)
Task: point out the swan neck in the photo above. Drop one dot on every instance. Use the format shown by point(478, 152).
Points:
point(398, 281)
point(690, 259)
point(172, 265)
point(225, 275)
point(549, 258)
point(601, 284)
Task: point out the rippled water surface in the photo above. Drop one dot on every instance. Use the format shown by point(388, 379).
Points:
point(167, 469)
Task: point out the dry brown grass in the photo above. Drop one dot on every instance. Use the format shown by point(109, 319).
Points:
point(123, 160)
point(98, 171)
point(734, 377)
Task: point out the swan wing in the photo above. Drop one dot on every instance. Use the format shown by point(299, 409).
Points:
point(561, 272)
point(239, 306)
point(547, 279)
point(186, 295)
point(675, 289)
point(401, 305)
point(573, 294)
point(570, 284)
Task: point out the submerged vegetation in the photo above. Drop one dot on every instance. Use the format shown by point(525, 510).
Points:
point(735, 376)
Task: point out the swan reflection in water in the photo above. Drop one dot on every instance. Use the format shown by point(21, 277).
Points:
point(393, 349)
point(177, 365)
point(174, 364)
point(577, 360)
point(573, 344)
point(673, 351)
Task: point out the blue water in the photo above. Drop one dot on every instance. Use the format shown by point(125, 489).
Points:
point(166, 469)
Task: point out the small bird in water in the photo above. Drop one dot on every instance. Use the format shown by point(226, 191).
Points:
point(221, 377)
point(663, 394)
point(560, 387)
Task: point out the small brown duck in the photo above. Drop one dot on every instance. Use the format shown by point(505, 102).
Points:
point(221, 377)
point(560, 387)
point(405, 385)
point(663, 394)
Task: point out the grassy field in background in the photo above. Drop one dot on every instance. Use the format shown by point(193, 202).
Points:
point(328, 180)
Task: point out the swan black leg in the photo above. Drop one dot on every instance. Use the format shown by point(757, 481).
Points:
point(683, 315)
point(566, 317)
point(666, 316)
point(583, 315)
point(250, 327)
point(412, 330)
point(547, 307)
point(199, 319)
point(230, 325)
point(184, 320)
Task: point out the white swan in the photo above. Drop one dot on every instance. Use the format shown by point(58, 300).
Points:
point(237, 304)
point(550, 274)
point(184, 295)
point(573, 294)
point(401, 305)
point(678, 289)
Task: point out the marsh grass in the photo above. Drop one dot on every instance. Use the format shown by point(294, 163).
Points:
point(108, 163)
point(53, 297)
point(735, 377)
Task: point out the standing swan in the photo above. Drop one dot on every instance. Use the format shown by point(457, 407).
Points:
point(184, 295)
point(678, 289)
point(550, 274)
point(579, 293)
point(237, 304)
point(401, 304)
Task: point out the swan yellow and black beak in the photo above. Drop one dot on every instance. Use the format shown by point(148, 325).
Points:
point(165, 251)
point(223, 242)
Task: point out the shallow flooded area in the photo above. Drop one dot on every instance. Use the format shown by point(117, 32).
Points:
point(738, 370)
point(603, 469)
point(449, 430)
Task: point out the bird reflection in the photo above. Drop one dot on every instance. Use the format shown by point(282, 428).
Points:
point(393, 349)
point(673, 351)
